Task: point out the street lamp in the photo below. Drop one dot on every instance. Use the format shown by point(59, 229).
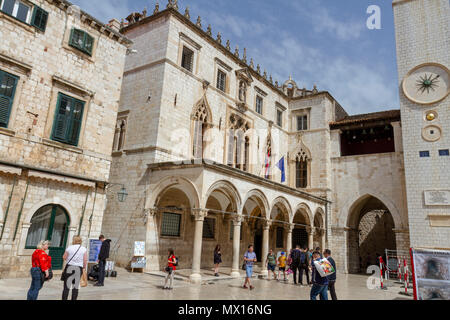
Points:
point(122, 194)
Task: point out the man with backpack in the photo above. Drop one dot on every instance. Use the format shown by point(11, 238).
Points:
point(304, 266)
point(295, 266)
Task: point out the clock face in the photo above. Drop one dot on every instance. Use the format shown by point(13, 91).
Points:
point(427, 83)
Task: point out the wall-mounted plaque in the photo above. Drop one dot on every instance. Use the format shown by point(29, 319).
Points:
point(437, 198)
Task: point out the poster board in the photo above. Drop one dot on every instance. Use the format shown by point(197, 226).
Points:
point(431, 274)
point(94, 250)
point(139, 249)
point(139, 260)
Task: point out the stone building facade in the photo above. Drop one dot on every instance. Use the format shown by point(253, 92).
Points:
point(202, 137)
point(60, 80)
point(423, 46)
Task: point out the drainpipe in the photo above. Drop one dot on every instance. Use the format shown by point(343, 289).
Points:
point(82, 214)
point(7, 208)
point(21, 209)
point(92, 214)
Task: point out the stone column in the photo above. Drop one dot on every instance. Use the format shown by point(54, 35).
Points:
point(322, 240)
point(237, 223)
point(199, 217)
point(151, 241)
point(310, 237)
point(289, 228)
point(265, 247)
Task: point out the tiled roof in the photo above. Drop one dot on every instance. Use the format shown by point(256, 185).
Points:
point(368, 117)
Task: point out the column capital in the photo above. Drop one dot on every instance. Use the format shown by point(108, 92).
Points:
point(151, 212)
point(200, 214)
point(289, 227)
point(237, 220)
point(310, 230)
point(267, 224)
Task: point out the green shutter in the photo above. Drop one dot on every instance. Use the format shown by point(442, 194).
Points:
point(39, 19)
point(88, 44)
point(68, 120)
point(8, 85)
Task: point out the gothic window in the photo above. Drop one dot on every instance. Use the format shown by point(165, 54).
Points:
point(230, 147)
point(301, 170)
point(302, 123)
point(279, 118)
point(200, 119)
point(221, 80)
point(187, 60)
point(247, 154)
point(259, 105)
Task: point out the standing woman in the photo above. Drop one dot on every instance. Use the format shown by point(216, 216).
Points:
point(41, 264)
point(170, 269)
point(76, 258)
point(217, 260)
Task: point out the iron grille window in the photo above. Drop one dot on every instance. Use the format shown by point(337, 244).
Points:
point(259, 105)
point(279, 118)
point(444, 153)
point(302, 123)
point(171, 224)
point(221, 80)
point(280, 240)
point(209, 228)
point(187, 59)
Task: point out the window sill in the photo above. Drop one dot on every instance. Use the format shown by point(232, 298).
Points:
point(79, 53)
point(60, 145)
point(18, 22)
point(7, 132)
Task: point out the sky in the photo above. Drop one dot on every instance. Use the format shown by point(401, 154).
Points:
point(317, 42)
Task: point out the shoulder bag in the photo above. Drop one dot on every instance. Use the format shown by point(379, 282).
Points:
point(64, 273)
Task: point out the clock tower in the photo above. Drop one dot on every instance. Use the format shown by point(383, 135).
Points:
point(423, 58)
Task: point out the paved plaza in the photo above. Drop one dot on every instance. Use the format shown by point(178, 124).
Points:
point(138, 286)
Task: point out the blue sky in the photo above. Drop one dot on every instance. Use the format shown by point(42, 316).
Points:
point(322, 42)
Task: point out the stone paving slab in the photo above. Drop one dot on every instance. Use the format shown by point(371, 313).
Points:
point(141, 286)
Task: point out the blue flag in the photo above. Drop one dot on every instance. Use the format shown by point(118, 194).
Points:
point(280, 166)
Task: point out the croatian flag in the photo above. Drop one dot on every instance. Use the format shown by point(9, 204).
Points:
point(267, 165)
point(280, 166)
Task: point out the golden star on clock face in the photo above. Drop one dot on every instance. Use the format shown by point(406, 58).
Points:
point(427, 84)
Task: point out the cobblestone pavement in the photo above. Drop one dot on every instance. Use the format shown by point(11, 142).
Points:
point(136, 286)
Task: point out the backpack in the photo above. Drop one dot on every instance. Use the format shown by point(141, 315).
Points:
point(296, 257)
point(302, 258)
point(176, 263)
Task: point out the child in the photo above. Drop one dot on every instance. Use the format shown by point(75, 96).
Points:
point(282, 266)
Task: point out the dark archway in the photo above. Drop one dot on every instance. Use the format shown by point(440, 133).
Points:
point(370, 233)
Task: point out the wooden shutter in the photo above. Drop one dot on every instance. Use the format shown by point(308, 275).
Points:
point(88, 43)
point(39, 19)
point(75, 122)
point(8, 85)
point(62, 118)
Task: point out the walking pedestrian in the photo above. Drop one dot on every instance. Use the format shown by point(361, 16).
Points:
point(304, 266)
point(217, 260)
point(249, 260)
point(271, 262)
point(332, 277)
point(282, 266)
point(76, 258)
point(172, 263)
point(41, 264)
point(319, 283)
point(102, 256)
point(295, 265)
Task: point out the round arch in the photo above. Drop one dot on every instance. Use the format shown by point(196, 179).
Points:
point(320, 217)
point(255, 193)
point(52, 201)
point(345, 218)
point(226, 187)
point(283, 202)
point(304, 208)
point(183, 184)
